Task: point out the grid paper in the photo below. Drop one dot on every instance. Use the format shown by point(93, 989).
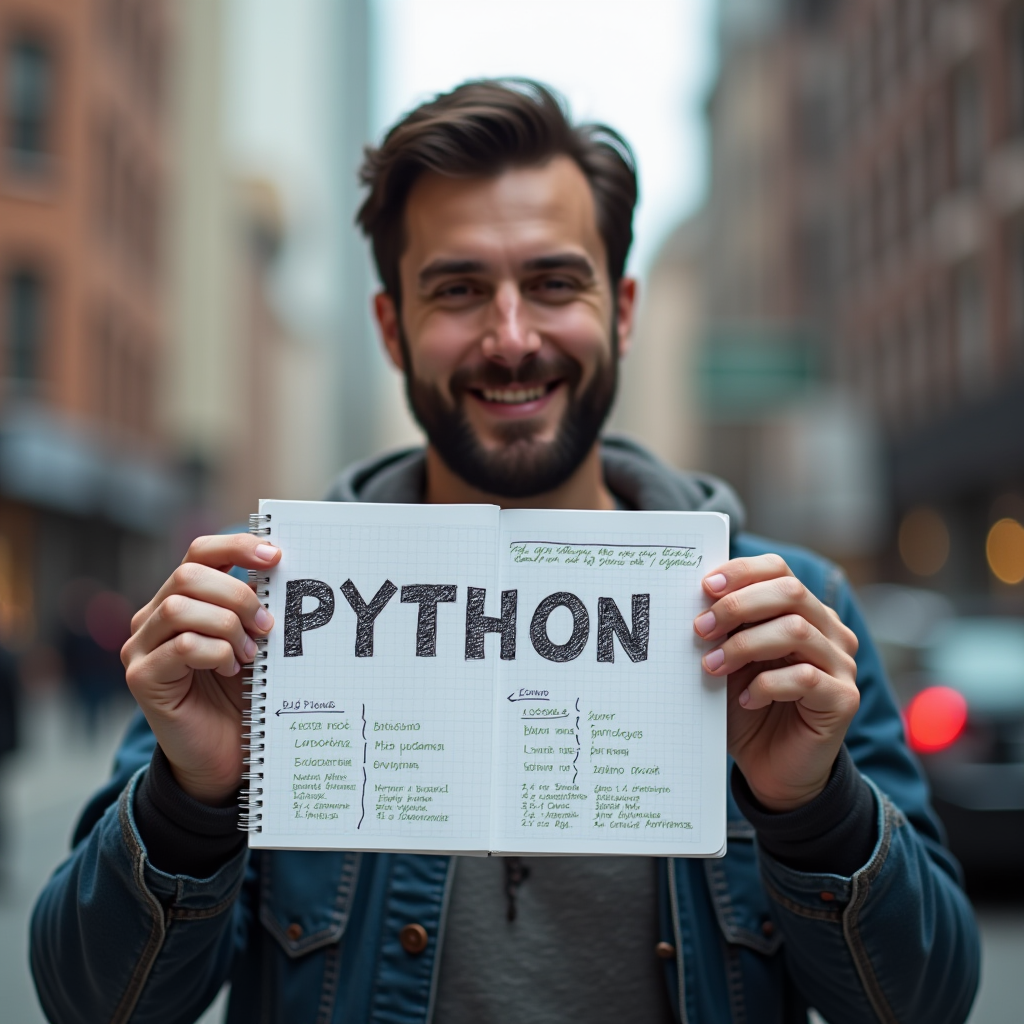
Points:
point(331, 780)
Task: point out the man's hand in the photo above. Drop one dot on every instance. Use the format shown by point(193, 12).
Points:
point(792, 686)
point(184, 660)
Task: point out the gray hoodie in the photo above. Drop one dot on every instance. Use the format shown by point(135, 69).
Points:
point(634, 476)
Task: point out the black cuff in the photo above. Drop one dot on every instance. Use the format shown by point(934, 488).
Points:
point(833, 834)
point(183, 836)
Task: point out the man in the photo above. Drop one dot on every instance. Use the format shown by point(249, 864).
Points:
point(500, 232)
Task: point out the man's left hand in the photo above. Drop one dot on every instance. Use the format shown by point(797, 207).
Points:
point(792, 686)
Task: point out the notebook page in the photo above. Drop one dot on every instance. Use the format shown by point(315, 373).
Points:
point(390, 748)
point(597, 752)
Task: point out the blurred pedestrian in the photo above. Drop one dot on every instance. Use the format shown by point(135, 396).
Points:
point(95, 624)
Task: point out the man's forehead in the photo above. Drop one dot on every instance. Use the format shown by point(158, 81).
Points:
point(519, 214)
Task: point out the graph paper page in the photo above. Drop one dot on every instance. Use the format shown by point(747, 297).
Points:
point(609, 737)
point(378, 728)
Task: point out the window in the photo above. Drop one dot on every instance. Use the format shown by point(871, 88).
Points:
point(968, 126)
point(29, 102)
point(26, 302)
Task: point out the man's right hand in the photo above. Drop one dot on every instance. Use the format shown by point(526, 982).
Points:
point(183, 661)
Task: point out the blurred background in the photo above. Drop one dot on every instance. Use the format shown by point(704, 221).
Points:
point(831, 246)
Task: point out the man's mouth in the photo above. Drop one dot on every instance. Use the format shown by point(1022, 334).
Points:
point(516, 394)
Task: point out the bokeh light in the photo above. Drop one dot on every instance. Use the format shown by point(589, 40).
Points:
point(1004, 549)
point(924, 541)
point(935, 718)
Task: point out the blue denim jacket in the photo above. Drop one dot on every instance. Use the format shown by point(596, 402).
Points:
point(314, 937)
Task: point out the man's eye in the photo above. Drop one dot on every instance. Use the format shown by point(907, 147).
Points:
point(558, 287)
point(458, 290)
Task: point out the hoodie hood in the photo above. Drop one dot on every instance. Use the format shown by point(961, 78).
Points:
point(636, 477)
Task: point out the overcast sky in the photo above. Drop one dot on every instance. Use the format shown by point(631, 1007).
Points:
point(643, 66)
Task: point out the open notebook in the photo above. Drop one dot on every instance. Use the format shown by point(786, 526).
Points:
point(461, 679)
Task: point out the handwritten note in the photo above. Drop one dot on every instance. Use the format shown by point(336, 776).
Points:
point(606, 556)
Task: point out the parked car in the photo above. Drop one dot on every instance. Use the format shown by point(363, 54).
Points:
point(960, 682)
point(966, 722)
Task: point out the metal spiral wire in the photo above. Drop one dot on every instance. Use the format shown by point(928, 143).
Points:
point(254, 717)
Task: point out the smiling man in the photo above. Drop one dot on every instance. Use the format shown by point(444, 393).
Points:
point(500, 232)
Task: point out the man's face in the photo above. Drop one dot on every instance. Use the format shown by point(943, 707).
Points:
point(508, 324)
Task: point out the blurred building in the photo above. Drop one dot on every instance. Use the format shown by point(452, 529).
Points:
point(930, 284)
point(84, 490)
point(861, 281)
point(766, 408)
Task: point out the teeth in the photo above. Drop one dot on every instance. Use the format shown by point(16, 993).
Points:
point(514, 396)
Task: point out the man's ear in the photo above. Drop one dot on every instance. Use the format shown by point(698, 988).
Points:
point(626, 313)
point(386, 314)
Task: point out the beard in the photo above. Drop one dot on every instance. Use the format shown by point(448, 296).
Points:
point(520, 466)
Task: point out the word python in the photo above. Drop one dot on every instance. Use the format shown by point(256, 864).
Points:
point(610, 622)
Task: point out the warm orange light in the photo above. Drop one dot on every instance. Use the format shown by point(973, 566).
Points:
point(1004, 549)
point(935, 718)
point(923, 541)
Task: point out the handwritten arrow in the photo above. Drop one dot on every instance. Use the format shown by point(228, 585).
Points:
point(281, 711)
point(513, 698)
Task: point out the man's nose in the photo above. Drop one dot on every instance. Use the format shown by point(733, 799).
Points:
point(510, 338)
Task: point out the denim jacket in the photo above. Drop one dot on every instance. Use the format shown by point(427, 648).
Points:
point(315, 937)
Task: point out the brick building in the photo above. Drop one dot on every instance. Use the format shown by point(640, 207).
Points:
point(864, 241)
point(83, 179)
point(929, 308)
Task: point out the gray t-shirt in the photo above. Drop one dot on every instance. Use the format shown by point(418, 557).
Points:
point(581, 946)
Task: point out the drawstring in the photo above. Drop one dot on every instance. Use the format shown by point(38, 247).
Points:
point(516, 872)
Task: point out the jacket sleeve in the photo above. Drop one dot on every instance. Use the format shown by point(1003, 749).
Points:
point(113, 939)
point(896, 940)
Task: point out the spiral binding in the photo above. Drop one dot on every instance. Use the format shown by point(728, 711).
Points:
point(254, 717)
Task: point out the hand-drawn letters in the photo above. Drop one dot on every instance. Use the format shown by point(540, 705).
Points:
point(477, 624)
point(367, 613)
point(610, 622)
point(295, 621)
point(428, 596)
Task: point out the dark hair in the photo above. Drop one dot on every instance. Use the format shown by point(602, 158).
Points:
point(480, 129)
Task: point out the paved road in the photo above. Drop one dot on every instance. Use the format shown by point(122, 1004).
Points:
point(46, 784)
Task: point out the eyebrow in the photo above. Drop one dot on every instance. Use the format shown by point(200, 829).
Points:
point(453, 267)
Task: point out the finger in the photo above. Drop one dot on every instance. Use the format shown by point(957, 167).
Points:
point(817, 691)
point(219, 552)
point(741, 572)
point(790, 636)
point(213, 586)
point(181, 614)
point(183, 653)
point(769, 599)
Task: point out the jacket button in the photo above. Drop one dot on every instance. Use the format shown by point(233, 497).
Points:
point(413, 938)
point(294, 931)
point(665, 951)
point(767, 928)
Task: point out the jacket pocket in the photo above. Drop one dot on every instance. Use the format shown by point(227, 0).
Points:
point(306, 897)
point(739, 898)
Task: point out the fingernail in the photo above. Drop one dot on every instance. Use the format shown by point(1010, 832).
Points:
point(235, 668)
point(714, 660)
point(250, 647)
point(745, 697)
point(715, 583)
point(704, 623)
point(265, 551)
point(263, 619)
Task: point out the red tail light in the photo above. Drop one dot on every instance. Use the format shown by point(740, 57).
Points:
point(935, 718)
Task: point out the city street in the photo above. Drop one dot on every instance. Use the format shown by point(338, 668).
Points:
point(46, 784)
